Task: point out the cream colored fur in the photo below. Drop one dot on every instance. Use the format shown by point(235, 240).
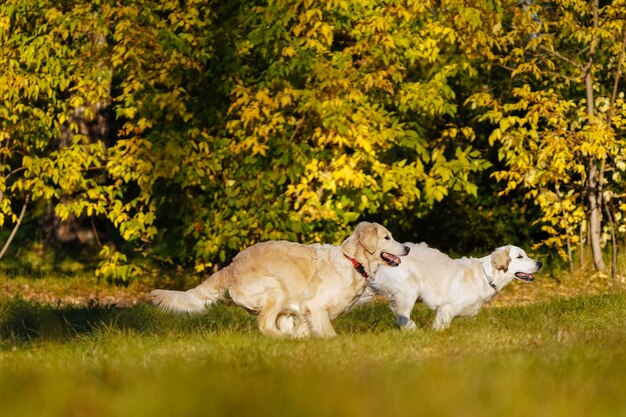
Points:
point(295, 289)
point(451, 287)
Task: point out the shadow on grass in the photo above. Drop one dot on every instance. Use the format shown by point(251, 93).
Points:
point(24, 321)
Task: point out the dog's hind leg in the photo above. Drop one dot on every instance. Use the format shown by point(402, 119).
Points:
point(292, 325)
point(270, 318)
point(264, 297)
point(267, 319)
point(443, 318)
point(286, 323)
point(291, 321)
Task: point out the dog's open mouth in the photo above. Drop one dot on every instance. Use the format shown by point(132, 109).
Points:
point(392, 260)
point(523, 276)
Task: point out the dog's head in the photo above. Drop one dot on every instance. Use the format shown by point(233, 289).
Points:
point(513, 262)
point(374, 244)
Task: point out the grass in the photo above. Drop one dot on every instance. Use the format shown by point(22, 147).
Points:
point(560, 357)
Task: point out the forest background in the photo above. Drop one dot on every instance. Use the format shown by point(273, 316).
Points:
point(150, 135)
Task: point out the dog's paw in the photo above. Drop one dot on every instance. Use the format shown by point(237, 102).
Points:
point(406, 324)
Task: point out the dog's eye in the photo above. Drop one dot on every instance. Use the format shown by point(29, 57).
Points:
point(520, 257)
point(387, 237)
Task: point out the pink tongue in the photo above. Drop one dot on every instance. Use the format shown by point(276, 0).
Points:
point(391, 259)
point(525, 277)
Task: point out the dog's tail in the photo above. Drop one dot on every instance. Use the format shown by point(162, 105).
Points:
point(195, 299)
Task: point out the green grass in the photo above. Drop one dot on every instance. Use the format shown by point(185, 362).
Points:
point(562, 357)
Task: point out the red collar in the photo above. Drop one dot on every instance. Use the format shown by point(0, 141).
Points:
point(358, 266)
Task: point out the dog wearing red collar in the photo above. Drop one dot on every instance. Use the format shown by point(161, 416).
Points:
point(296, 290)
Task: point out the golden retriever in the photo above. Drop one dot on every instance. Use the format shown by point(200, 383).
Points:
point(295, 289)
point(451, 287)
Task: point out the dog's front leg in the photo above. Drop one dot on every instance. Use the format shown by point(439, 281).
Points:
point(319, 323)
point(402, 305)
point(443, 318)
point(405, 323)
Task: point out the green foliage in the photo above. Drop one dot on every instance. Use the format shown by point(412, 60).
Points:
point(356, 90)
point(550, 128)
point(198, 129)
point(134, 74)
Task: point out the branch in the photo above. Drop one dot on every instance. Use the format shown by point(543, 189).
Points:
point(297, 129)
point(587, 68)
point(554, 74)
point(561, 57)
point(15, 171)
point(511, 69)
point(565, 77)
point(17, 225)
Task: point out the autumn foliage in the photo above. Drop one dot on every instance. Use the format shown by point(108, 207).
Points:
point(193, 129)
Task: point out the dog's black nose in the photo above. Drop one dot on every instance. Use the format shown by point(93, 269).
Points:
point(407, 250)
point(539, 264)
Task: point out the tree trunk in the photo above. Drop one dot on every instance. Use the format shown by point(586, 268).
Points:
point(93, 121)
point(594, 194)
point(594, 186)
point(17, 226)
point(78, 230)
point(581, 243)
point(595, 217)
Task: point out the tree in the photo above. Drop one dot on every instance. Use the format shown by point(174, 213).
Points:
point(224, 124)
point(44, 86)
point(552, 117)
point(356, 100)
point(67, 63)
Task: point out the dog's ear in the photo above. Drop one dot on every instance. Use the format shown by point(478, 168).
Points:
point(368, 236)
point(500, 259)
